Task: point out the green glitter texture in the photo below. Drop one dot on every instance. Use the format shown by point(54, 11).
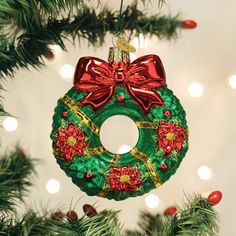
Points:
point(99, 165)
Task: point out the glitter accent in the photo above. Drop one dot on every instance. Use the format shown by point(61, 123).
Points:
point(151, 168)
point(79, 113)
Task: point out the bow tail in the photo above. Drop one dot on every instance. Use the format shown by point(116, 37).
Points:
point(98, 98)
point(145, 98)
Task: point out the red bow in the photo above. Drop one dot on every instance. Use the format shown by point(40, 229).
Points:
point(141, 78)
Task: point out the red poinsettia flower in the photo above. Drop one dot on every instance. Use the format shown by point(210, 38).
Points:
point(124, 179)
point(170, 137)
point(71, 142)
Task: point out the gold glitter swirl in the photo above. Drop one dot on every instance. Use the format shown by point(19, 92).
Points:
point(148, 163)
point(97, 151)
point(114, 160)
point(113, 163)
point(103, 193)
point(80, 114)
point(146, 125)
point(56, 153)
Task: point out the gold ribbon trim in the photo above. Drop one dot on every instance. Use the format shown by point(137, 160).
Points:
point(57, 154)
point(103, 193)
point(148, 163)
point(146, 125)
point(114, 160)
point(80, 114)
point(97, 151)
point(113, 163)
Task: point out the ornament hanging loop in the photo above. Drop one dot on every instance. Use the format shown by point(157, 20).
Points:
point(121, 42)
point(120, 20)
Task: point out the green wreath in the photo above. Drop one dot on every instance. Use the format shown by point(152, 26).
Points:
point(158, 153)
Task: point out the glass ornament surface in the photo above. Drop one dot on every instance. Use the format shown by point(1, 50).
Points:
point(96, 96)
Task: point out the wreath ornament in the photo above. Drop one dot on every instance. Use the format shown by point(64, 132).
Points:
point(117, 87)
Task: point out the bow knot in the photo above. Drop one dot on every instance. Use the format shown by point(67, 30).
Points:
point(141, 79)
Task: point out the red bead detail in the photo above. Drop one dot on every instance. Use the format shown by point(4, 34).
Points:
point(214, 198)
point(170, 211)
point(164, 166)
point(71, 216)
point(120, 98)
point(88, 175)
point(99, 80)
point(89, 210)
point(188, 24)
point(64, 114)
point(167, 113)
point(71, 122)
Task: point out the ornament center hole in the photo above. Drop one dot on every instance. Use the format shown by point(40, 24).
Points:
point(119, 134)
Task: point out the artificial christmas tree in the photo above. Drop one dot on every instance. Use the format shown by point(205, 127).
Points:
point(27, 39)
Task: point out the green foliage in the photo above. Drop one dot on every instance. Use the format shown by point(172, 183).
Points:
point(149, 225)
point(28, 29)
point(197, 217)
point(27, 37)
point(15, 172)
point(103, 224)
point(2, 111)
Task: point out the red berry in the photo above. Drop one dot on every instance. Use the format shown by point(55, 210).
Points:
point(50, 56)
point(57, 215)
point(120, 98)
point(188, 24)
point(164, 166)
point(89, 210)
point(167, 113)
point(88, 175)
point(214, 198)
point(170, 211)
point(64, 114)
point(71, 216)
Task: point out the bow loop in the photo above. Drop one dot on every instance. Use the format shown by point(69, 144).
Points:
point(141, 79)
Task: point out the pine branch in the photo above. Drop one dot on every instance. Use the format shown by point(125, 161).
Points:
point(26, 38)
point(2, 111)
point(15, 171)
point(149, 225)
point(29, 35)
point(197, 217)
point(103, 224)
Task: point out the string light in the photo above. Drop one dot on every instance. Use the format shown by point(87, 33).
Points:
point(232, 81)
point(195, 89)
point(152, 201)
point(67, 71)
point(204, 172)
point(53, 186)
point(10, 124)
